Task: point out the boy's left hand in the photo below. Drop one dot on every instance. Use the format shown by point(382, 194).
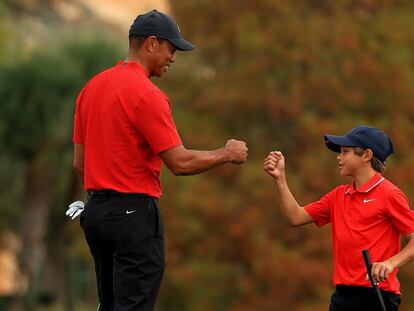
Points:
point(381, 270)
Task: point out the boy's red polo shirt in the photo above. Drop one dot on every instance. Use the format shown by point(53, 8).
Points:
point(124, 121)
point(372, 217)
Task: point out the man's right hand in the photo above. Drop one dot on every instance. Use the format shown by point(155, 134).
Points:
point(237, 151)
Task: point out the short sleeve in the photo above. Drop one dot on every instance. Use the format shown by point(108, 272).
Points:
point(153, 119)
point(401, 214)
point(321, 210)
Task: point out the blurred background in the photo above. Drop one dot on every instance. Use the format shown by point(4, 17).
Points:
point(278, 74)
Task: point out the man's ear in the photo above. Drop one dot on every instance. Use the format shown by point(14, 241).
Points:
point(151, 43)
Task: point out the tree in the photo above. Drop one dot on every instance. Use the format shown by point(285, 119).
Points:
point(38, 93)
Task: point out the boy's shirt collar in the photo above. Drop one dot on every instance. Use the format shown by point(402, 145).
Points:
point(368, 186)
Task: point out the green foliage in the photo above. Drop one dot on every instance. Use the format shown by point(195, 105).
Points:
point(36, 91)
point(3, 6)
point(33, 93)
point(38, 94)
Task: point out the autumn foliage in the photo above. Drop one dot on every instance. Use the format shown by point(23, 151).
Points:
point(280, 75)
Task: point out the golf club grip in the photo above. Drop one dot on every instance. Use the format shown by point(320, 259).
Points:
point(368, 264)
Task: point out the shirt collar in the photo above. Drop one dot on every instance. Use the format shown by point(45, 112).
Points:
point(133, 65)
point(368, 186)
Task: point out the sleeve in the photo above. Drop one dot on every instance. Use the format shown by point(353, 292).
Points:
point(153, 119)
point(320, 210)
point(401, 214)
point(78, 136)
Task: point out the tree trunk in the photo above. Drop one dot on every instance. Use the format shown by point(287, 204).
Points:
point(61, 266)
point(36, 207)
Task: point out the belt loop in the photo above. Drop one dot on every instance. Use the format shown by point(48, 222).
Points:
point(90, 194)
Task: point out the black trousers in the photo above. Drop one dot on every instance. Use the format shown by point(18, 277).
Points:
point(356, 298)
point(125, 236)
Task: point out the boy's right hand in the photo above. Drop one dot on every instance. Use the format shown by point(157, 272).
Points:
point(274, 164)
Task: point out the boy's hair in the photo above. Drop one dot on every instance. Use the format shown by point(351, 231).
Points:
point(375, 163)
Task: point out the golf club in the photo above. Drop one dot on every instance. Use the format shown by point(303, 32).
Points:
point(368, 264)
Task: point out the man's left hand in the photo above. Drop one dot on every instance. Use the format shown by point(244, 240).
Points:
point(75, 209)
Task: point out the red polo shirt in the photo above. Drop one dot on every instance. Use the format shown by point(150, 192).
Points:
point(372, 217)
point(124, 121)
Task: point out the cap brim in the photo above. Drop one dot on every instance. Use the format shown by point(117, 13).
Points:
point(334, 142)
point(181, 44)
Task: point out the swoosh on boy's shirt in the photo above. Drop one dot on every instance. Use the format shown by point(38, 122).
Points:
point(368, 200)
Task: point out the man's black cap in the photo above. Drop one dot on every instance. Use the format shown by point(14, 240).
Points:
point(366, 137)
point(162, 26)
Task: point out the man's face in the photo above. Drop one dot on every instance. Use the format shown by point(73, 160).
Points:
point(163, 57)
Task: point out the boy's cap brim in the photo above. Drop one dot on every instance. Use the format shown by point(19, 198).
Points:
point(366, 137)
point(334, 142)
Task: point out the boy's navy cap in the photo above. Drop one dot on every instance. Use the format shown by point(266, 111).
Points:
point(162, 26)
point(366, 137)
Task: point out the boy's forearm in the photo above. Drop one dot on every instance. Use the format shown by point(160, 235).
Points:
point(405, 255)
point(288, 204)
point(274, 165)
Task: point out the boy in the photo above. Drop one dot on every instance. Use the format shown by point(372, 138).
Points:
point(371, 213)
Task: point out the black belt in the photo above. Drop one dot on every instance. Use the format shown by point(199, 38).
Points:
point(352, 288)
point(112, 193)
point(357, 289)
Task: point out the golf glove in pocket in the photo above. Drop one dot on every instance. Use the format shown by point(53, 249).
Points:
point(75, 209)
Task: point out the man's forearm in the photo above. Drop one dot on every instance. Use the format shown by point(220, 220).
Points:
point(78, 160)
point(182, 161)
point(197, 161)
point(79, 172)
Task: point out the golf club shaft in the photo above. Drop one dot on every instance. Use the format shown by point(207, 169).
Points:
point(380, 297)
point(368, 264)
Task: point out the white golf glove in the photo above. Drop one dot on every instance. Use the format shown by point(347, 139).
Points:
point(75, 209)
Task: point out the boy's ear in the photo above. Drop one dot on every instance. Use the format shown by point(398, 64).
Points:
point(368, 154)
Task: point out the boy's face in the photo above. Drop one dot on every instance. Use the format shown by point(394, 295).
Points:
point(349, 162)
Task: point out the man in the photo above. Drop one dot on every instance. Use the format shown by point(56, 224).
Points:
point(123, 132)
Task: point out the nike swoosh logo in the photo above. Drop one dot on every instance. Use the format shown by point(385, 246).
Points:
point(368, 200)
point(130, 212)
